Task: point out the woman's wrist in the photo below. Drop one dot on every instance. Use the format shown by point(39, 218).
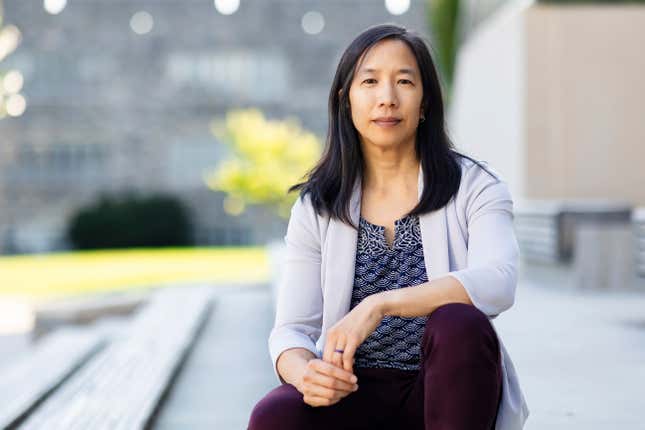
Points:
point(378, 302)
point(292, 364)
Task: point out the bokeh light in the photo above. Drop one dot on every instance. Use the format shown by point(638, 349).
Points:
point(16, 105)
point(12, 82)
point(227, 7)
point(313, 22)
point(54, 7)
point(9, 39)
point(397, 7)
point(141, 22)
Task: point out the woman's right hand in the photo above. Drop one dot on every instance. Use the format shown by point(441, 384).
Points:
point(323, 384)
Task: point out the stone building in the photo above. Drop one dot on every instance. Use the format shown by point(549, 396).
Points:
point(120, 95)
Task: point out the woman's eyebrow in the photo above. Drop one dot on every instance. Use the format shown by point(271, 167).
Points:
point(401, 71)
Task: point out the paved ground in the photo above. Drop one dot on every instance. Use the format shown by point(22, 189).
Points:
point(13, 346)
point(229, 369)
point(580, 356)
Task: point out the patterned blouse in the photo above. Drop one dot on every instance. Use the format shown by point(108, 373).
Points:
point(396, 342)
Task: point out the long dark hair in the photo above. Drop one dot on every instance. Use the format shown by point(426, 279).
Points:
point(331, 182)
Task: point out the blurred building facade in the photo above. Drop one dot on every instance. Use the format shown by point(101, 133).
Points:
point(120, 96)
point(551, 95)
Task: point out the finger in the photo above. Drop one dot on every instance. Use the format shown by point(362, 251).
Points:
point(320, 391)
point(337, 357)
point(332, 394)
point(324, 392)
point(316, 401)
point(333, 383)
point(336, 372)
point(348, 356)
point(328, 350)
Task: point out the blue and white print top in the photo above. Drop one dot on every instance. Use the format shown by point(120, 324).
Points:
point(396, 342)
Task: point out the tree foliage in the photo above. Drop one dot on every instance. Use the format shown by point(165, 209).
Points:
point(266, 158)
point(443, 19)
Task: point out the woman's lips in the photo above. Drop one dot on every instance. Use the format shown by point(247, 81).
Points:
point(387, 123)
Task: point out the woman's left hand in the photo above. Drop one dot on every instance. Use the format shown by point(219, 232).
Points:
point(348, 333)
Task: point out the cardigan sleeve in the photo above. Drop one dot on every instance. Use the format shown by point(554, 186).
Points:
point(299, 305)
point(490, 278)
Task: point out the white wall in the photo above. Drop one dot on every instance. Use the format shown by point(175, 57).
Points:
point(486, 118)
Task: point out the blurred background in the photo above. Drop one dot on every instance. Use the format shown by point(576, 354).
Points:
point(146, 147)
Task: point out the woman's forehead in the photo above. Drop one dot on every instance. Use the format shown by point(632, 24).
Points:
point(387, 55)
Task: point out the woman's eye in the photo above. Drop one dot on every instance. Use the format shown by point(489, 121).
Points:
point(400, 80)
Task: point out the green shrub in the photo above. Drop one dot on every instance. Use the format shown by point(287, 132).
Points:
point(131, 221)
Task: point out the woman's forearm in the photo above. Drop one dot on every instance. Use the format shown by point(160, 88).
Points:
point(291, 365)
point(421, 299)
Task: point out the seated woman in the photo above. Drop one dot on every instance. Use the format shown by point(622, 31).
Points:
point(400, 250)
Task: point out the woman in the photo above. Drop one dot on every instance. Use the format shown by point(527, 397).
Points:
point(399, 252)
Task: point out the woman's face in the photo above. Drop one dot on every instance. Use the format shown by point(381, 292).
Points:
point(388, 84)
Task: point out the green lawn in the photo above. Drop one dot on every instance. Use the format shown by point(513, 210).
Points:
point(45, 276)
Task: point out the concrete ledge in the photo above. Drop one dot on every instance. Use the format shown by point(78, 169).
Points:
point(86, 310)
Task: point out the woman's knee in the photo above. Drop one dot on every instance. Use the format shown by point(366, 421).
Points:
point(457, 323)
point(282, 408)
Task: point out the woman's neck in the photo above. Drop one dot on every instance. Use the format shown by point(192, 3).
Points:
point(384, 177)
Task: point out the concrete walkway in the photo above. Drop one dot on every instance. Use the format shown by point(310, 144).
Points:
point(229, 369)
point(580, 357)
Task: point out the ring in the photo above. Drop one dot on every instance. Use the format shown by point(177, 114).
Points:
point(339, 350)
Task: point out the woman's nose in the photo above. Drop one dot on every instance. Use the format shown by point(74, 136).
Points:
point(387, 96)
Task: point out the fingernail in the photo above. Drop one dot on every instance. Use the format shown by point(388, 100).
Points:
point(354, 378)
point(355, 387)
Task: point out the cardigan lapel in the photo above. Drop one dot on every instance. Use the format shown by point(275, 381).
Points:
point(340, 263)
point(341, 249)
point(434, 235)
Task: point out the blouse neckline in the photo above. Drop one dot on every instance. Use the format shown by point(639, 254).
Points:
point(381, 231)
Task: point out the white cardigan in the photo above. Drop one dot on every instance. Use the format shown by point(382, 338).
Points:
point(471, 239)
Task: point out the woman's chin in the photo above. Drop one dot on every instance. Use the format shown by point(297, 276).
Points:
point(387, 140)
point(384, 143)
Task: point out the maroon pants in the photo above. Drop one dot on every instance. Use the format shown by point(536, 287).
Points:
point(458, 386)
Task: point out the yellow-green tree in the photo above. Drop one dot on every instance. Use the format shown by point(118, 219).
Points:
point(267, 157)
